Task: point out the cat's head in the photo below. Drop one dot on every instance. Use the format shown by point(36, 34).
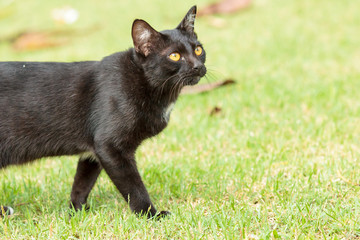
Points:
point(171, 57)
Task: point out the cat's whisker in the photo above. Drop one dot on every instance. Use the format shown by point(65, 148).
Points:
point(212, 73)
point(173, 95)
point(212, 68)
point(174, 91)
point(162, 86)
point(215, 74)
point(170, 93)
point(210, 77)
point(207, 79)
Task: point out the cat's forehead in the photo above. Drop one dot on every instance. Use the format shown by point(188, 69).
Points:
point(177, 36)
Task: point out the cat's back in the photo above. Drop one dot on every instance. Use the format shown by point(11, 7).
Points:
point(25, 75)
point(46, 85)
point(43, 86)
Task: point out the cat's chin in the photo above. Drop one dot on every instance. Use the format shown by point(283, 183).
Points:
point(193, 81)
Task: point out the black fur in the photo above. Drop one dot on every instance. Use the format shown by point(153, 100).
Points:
point(4, 211)
point(105, 108)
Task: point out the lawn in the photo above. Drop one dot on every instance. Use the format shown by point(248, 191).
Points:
point(280, 160)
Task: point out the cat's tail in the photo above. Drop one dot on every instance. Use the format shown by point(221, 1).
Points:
point(6, 211)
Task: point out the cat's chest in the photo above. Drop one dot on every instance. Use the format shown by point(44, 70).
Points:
point(167, 111)
point(155, 120)
point(158, 114)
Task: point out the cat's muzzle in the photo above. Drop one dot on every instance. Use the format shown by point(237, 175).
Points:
point(193, 80)
point(198, 74)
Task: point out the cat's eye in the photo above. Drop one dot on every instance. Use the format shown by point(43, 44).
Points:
point(198, 50)
point(175, 56)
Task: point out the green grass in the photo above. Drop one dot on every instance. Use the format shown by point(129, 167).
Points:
point(281, 160)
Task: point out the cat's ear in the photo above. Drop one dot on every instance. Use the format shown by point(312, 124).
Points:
point(187, 24)
point(144, 37)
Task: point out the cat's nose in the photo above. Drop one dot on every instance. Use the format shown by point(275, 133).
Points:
point(197, 66)
point(200, 68)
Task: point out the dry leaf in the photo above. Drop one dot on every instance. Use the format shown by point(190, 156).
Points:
point(216, 110)
point(34, 41)
point(205, 87)
point(225, 7)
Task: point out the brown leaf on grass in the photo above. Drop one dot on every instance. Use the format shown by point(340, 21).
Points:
point(215, 111)
point(217, 22)
point(224, 7)
point(35, 40)
point(206, 87)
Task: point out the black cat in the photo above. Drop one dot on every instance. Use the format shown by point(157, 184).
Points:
point(101, 110)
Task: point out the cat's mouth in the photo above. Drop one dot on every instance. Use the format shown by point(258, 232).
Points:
point(196, 76)
point(193, 81)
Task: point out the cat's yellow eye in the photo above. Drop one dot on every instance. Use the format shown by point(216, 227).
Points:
point(175, 56)
point(198, 50)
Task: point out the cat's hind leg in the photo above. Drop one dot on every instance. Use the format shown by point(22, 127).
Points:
point(87, 172)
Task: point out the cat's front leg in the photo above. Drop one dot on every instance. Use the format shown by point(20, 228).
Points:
point(121, 167)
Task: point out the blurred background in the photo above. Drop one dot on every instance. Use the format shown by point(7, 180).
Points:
point(263, 35)
point(79, 30)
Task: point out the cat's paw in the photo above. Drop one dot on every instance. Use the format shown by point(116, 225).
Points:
point(6, 211)
point(161, 215)
point(79, 208)
point(155, 215)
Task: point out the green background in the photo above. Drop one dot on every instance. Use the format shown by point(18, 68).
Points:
point(280, 160)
